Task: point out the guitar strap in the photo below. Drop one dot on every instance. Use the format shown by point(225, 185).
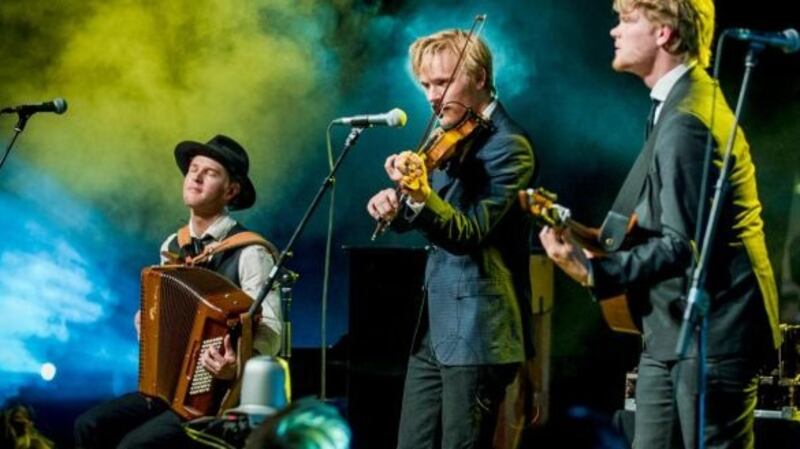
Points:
point(619, 218)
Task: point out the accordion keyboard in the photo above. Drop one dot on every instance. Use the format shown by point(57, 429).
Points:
point(201, 378)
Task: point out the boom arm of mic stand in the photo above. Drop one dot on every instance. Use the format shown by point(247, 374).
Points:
point(286, 253)
point(18, 128)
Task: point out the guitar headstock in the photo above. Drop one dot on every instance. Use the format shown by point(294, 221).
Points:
point(541, 203)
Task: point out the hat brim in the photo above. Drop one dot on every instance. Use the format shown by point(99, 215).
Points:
point(185, 151)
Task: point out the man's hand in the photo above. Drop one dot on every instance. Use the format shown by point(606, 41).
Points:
point(408, 170)
point(221, 365)
point(383, 205)
point(569, 257)
point(392, 169)
point(414, 180)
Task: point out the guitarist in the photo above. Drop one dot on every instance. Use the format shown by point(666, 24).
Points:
point(667, 43)
point(215, 181)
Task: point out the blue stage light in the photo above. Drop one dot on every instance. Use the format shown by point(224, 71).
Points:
point(65, 298)
point(48, 371)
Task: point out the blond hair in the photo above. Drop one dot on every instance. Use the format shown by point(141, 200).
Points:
point(477, 58)
point(693, 21)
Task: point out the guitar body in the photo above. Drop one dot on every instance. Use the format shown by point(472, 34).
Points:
point(618, 315)
point(616, 310)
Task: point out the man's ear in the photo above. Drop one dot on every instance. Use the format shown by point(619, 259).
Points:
point(665, 36)
point(480, 79)
point(233, 189)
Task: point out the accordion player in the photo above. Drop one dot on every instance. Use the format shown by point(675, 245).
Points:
point(184, 311)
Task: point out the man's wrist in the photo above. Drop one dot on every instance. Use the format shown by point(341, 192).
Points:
point(589, 281)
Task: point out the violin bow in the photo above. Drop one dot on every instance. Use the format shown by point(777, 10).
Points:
point(474, 31)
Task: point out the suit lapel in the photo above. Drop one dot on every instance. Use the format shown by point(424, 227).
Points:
point(616, 222)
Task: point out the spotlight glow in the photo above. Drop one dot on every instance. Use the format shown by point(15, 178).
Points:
point(48, 371)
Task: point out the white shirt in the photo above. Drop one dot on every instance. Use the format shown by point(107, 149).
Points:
point(664, 85)
point(255, 263)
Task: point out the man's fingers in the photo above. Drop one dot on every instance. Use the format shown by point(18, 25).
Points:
point(373, 211)
point(214, 354)
point(209, 364)
point(392, 197)
point(556, 247)
point(226, 343)
point(391, 166)
point(389, 163)
point(230, 353)
point(383, 203)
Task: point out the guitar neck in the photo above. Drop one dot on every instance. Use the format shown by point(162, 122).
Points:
point(585, 236)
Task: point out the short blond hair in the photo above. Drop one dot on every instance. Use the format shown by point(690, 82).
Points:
point(477, 60)
point(693, 20)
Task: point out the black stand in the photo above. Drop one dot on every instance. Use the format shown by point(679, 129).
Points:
point(698, 299)
point(18, 128)
point(287, 252)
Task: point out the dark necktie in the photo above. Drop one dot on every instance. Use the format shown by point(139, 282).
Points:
point(197, 245)
point(651, 118)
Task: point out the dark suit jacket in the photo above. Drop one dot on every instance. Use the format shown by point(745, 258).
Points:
point(477, 280)
point(656, 271)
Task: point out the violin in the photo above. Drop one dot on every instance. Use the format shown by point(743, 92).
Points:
point(443, 143)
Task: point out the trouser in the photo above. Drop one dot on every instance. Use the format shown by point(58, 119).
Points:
point(666, 403)
point(131, 421)
point(460, 403)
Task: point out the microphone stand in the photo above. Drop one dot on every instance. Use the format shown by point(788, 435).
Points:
point(349, 143)
point(698, 302)
point(18, 128)
point(286, 283)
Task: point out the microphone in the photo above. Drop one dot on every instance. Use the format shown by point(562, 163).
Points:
point(396, 118)
point(58, 105)
point(787, 40)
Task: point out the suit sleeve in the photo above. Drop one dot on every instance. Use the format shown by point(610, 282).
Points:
point(679, 168)
point(402, 221)
point(509, 167)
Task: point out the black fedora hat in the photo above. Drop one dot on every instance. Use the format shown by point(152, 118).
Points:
point(231, 155)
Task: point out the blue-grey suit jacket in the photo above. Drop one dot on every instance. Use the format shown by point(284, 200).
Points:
point(477, 278)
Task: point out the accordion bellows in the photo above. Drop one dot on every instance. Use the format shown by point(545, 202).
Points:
point(184, 310)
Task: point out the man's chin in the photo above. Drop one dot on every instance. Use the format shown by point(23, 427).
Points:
point(449, 120)
point(192, 202)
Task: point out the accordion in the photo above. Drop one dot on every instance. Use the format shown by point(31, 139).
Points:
point(184, 311)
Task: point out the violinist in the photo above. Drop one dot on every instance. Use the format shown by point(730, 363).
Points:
point(472, 337)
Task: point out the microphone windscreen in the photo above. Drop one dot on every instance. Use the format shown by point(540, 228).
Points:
point(793, 40)
point(396, 118)
point(60, 105)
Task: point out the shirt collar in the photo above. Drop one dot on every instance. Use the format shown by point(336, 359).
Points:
point(218, 229)
point(665, 84)
point(489, 109)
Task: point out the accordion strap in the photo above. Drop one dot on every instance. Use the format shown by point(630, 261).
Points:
point(184, 237)
point(238, 240)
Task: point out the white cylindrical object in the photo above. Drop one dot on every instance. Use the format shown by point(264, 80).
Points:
point(263, 387)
